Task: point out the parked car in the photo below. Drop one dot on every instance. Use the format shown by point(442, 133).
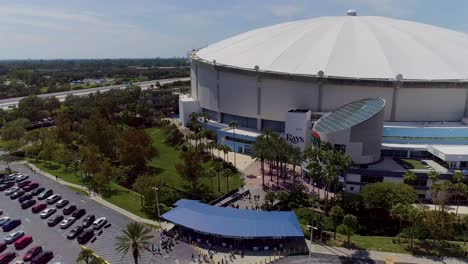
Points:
point(7, 257)
point(67, 222)
point(32, 252)
point(45, 194)
point(21, 178)
point(88, 221)
point(79, 213)
point(85, 236)
point(4, 220)
point(25, 197)
point(17, 194)
point(75, 232)
point(28, 203)
point(38, 191)
point(23, 242)
point(38, 207)
point(31, 186)
point(42, 257)
point(70, 209)
point(12, 190)
point(12, 224)
point(47, 212)
point(6, 186)
point(54, 221)
point(12, 237)
point(3, 246)
point(99, 223)
point(53, 198)
point(23, 183)
point(62, 203)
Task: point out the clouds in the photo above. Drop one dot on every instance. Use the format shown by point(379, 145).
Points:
point(43, 32)
point(284, 10)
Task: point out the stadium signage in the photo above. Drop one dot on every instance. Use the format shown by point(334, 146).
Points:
point(294, 139)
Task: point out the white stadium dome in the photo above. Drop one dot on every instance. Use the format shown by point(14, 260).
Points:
point(365, 47)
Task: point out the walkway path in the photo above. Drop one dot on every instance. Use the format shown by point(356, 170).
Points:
point(382, 256)
point(100, 200)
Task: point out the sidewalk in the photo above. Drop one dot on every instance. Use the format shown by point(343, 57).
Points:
point(99, 199)
point(382, 256)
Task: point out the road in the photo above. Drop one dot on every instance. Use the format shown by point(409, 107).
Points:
point(10, 102)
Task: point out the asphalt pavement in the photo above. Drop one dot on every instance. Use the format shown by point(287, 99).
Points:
point(66, 251)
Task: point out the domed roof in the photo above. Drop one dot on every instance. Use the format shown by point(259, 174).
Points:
point(349, 115)
point(366, 47)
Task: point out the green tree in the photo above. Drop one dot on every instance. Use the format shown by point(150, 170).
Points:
point(459, 187)
point(191, 168)
point(105, 175)
point(86, 256)
point(15, 130)
point(409, 177)
point(90, 160)
point(48, 147)
point(414, 216)
point(233, 125)
point(387, 194)
point(336, 214)
point(399, 211)
point(135, 238)
point(348, 227)
point(218, 166)
point(434, 176)
point(227, 173)
point(135, 149)
point(260, 149)
point(439, 225)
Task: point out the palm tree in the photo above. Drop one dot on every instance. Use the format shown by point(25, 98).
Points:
point(136, 238)
point(330, 177)
point(296, 159)
point(226, 173)
point(434, 176)
point(458, 187)
point(399, 212)
point(211, 173)
point(218, 166)
point(86, 256)
point(315, 171)
point(226, 150)
point(409, 177)
point(233, 125)
point(260, 152)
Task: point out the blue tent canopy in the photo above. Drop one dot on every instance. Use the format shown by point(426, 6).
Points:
point(234, 223)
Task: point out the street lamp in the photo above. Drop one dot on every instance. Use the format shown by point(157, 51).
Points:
point(311, 239)
point(157, 204)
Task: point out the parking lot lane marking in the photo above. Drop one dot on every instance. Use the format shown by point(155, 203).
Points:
point(82, 201)
point(27, 220)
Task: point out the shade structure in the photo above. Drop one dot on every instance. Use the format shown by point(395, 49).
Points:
point(234, 223)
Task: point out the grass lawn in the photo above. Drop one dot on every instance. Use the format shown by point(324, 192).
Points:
point(120, 196)
point(414, 164)
point(170, 156)
point(377, 243)
point(57, 169)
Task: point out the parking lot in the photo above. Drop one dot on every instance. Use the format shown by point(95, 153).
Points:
point(54, 238)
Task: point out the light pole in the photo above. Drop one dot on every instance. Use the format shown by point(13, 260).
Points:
point(157, 204)
point(311, 239)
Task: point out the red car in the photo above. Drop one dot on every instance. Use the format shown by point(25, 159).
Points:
point(7, 257)
point(23, 242)
point(38, 207)
point(3, 246)
point(31, 186)
point(32, 252)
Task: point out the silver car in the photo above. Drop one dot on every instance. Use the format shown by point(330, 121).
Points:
point(47, 212)
point(12, 237)
point(67, 222)
point(12, 190)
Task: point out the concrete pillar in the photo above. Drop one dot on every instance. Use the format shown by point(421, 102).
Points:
point(320, 96)
point(394, 103)
point(259, 100)
point(196, 83)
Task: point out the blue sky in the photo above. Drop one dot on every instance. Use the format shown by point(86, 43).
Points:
point(151, 28)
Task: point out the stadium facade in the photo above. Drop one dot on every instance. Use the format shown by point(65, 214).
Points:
point(287, 76)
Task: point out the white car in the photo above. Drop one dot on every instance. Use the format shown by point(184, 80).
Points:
point(12, 190)
point(47, 212)
point(21, 178)
point(99, 223)
point(67, 222)
point(53, 198)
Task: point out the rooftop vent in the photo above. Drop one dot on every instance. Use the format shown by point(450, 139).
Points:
point(351, 12)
